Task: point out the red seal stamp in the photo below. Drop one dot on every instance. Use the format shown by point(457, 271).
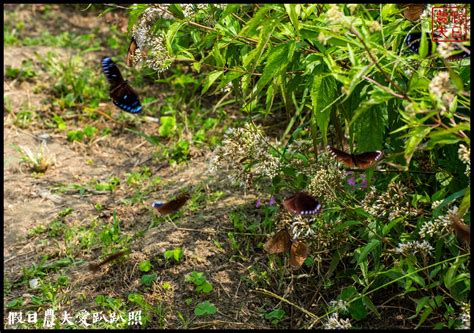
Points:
point(449, 23)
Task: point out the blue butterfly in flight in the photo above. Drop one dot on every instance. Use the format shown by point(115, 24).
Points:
point(120, 91)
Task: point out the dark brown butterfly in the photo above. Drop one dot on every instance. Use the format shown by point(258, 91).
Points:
point(132, 49)
point(120, 91)
point(463, 231)
point(302, 203)
point(414, 40)
point(412, 11)
point(94, 267)
point(281, 242)
point(362, 161)
point(171, 206)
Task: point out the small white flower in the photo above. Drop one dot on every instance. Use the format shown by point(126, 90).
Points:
point(34, 283)
point(334, 322)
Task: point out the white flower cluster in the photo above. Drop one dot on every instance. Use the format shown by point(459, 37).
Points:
point(414, 247)
point(339, 305)
point(445, 49)
point(336, 18)
point(352, 7)
point(151, 45)
point(391, 204)
point(245, 152)
point(439, 227)
point(334, 322)
point(301, 227)
point(435, 203)
point(441, 88)
point(326, 178)
point(465, 317)
point(464, 154)
point(189, 9)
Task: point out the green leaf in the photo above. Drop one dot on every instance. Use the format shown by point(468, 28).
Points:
point(211, 77)
point(171, 32)
point(366, 250)
point(357, 309)
point(323, 92)
point(167, 125)
point(205, 288)
point(424, 45)
point(347, 293)
point(144, 266)
point(369, 128)
point(148, 279)
point(293, 11)
point(195, 277)
point(275, 316)
point(277, 61)
point(415, 136)
point(205, 308)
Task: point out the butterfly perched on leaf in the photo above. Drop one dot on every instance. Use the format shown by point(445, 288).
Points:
point(281, 242)
point(120, 91)
point(412, 11)
point(413, 42)
point(172, 205)
point(362, 161)
point(302, 203)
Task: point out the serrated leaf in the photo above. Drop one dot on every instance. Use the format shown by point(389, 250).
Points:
point(277, 61)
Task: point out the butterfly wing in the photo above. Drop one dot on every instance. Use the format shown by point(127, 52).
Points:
point(302, 203)
point(121, 93)
point(298, 254)
point(132, 48)
point(341, 156)
point(112, 73)
point(412, 11)
point(126, 98)
point(366, 160)
point(171, 206)
point(279, 243)
point(463, 231)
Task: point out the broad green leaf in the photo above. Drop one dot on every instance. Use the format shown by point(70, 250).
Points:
point(357, 309)
point(323, 92)
point(277, 61)
point(369, 128)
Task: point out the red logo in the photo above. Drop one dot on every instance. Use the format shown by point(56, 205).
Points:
point(449, 23)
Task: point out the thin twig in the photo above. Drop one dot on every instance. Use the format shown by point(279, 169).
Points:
point(269, 293)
